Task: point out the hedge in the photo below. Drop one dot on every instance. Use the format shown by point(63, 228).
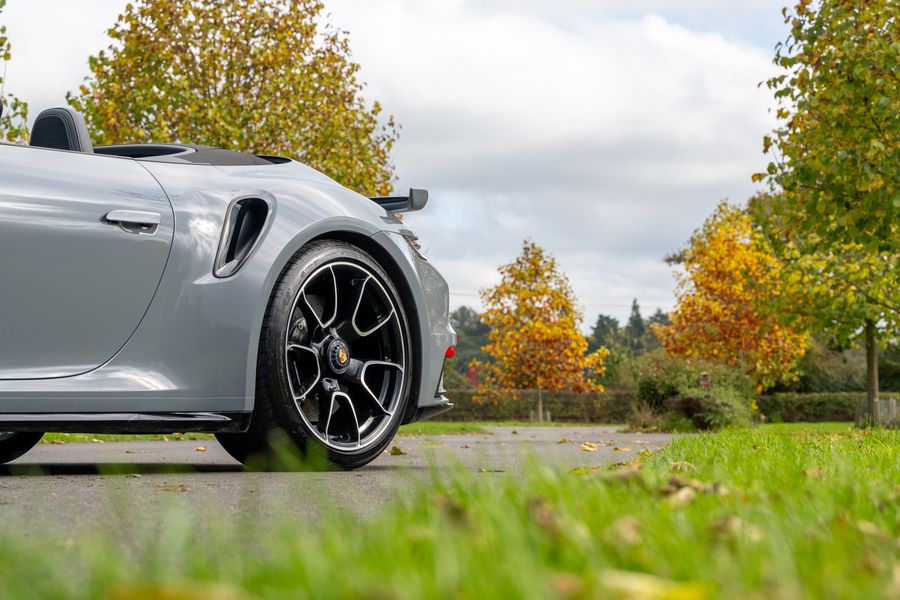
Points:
point(612, 406)
point(793, 408)
point(615, 406)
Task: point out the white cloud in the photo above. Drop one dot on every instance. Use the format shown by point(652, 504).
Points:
point(605, 139)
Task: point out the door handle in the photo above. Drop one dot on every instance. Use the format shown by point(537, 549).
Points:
point(133, 218)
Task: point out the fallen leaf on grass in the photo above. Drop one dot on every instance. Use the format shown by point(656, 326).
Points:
point(567, 585)
point(626, 530)
point(630, 474)
point(200, 449)
point(732, 526)
point(641, 586)
point(584, 470)
point(179, 591)
point(677, 484)
point(870, 529)
point(813, 473)
point(646, 452)
point(589, 447)
point(682, 465)
point(894, 588)
point(396, 451)
point(454, 509)
point(681, 497)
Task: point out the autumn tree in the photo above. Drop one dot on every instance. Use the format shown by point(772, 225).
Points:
point(725, 293)
point(262, 76)
point(534, 341)
point(834, 209)
point(14, 115)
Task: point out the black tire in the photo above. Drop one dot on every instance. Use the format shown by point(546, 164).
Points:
point(279, 438)
point(14, 445)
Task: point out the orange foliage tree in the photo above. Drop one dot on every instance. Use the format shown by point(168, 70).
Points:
point(727, 294)
point(534, 341)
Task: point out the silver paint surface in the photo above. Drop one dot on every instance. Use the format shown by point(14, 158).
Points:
point(192, 346)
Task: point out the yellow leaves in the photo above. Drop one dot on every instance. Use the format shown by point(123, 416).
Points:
point(396, 451)
point(186, 590)
point(725, 298)
point(535, 342)
point(589, 447)
point(641, 586)
point(254, 75)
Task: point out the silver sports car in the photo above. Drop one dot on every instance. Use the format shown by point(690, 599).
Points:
point(154, 288)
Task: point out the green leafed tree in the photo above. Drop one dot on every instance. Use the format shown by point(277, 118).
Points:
point(635, 329)
point(604, 333)
point(834, 211)
point(264, 76)
point(472, 334)
point(13, 127)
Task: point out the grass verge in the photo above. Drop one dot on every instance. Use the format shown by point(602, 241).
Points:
point(68, 438)
point(764, 512)
point(423, 428)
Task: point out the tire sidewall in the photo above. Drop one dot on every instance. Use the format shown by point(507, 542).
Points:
point(17, 445)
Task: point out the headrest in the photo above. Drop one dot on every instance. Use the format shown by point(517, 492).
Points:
point(61, 129)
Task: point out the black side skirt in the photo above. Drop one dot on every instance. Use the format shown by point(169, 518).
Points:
point(174, 422)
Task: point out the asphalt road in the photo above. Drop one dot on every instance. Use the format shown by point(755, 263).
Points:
point(69, 487)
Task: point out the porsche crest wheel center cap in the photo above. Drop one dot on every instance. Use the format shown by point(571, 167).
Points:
point(338, 353)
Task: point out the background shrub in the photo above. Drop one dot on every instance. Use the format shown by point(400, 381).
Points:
point(611, 406)
point(792, 408)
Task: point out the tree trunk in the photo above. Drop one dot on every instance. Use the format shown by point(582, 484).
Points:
point(540, 407)
point(872, 372)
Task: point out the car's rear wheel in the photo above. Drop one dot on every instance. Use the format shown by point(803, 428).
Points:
point(13, 445)
point(334, 363)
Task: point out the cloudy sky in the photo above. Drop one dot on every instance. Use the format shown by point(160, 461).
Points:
point(606, 131)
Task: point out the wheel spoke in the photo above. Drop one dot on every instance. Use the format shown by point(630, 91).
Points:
point(319, 320)
point(380, 321)
point(309, 388)
point(330, 414)
point(336, 397)
point(362, 381)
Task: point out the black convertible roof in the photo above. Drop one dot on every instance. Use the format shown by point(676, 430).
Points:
point(188, 153)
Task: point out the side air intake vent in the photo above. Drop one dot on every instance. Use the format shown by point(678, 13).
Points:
point(244, 224)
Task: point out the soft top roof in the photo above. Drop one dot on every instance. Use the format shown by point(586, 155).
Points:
point(188, 153)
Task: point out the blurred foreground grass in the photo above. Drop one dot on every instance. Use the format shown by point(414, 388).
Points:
point(775, 512)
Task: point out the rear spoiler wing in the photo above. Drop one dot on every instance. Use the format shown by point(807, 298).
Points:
point(416, 200)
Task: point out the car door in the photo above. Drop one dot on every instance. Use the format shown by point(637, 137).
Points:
point(84, 240)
